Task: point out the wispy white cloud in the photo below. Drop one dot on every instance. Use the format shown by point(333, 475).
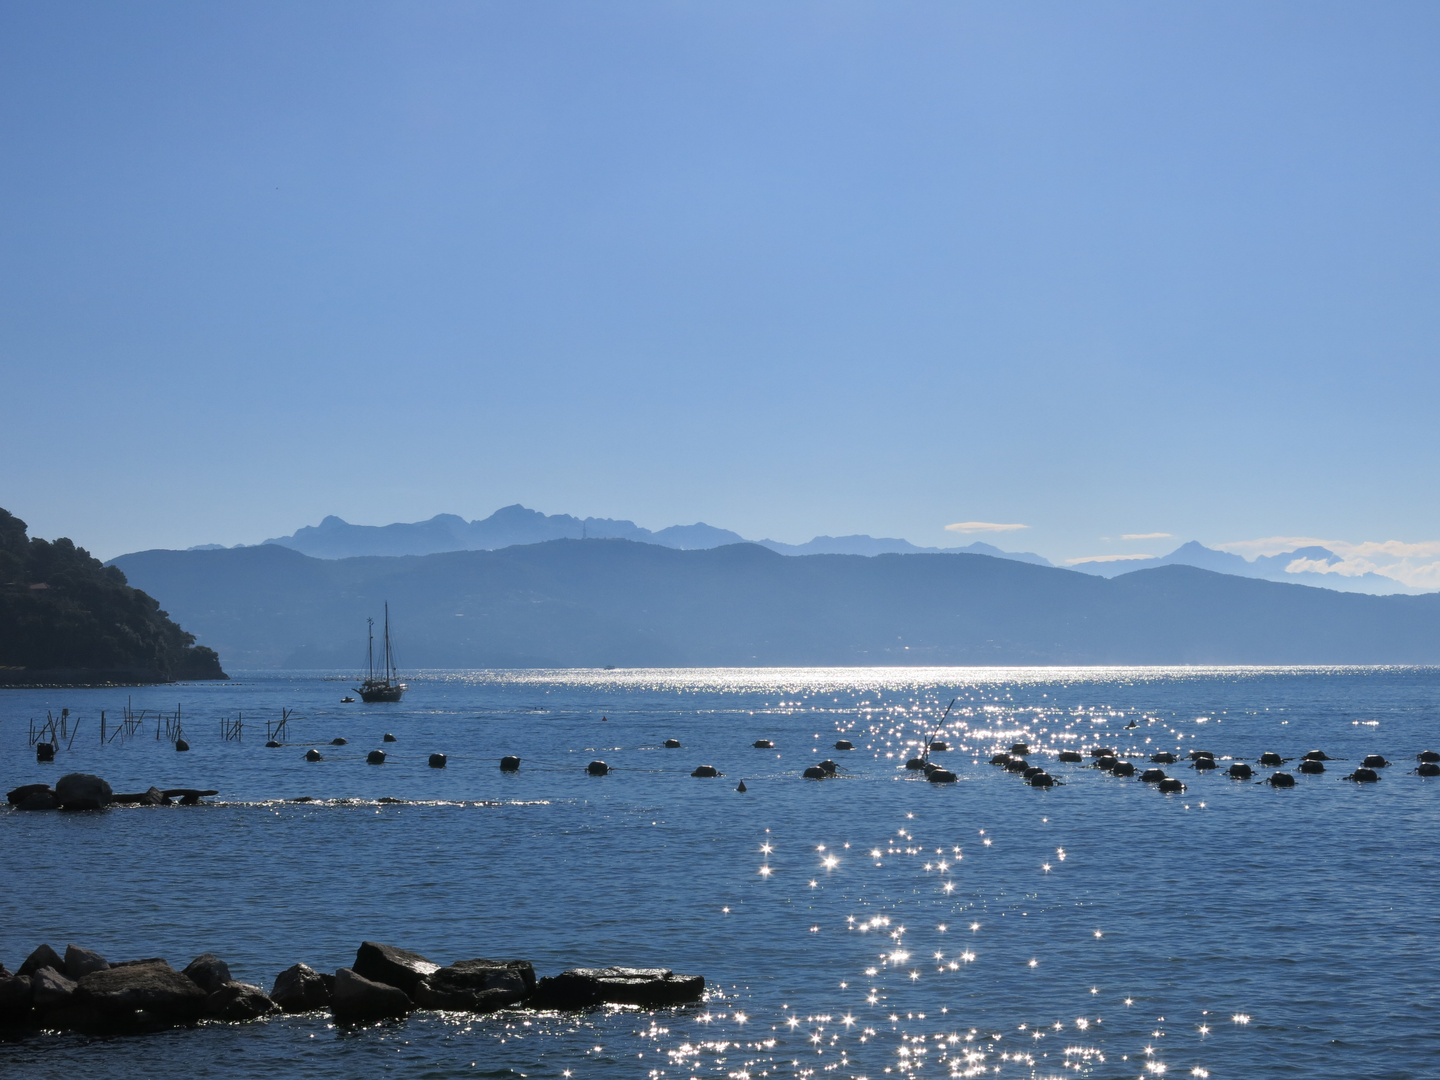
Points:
point(1105, 558)
point(1397, 549)
point(982, 527)
point(1270, 545)
point(1410, 563)
point(1146, 536)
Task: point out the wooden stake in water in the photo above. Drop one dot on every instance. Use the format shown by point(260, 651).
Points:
point(939, 724)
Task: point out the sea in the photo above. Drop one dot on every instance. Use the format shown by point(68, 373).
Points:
point(867, 925)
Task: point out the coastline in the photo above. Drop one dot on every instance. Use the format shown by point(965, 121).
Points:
point(92, 678)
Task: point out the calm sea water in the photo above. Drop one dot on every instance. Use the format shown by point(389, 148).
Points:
point(866, 926)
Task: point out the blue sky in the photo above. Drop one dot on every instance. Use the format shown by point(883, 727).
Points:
point(1098, 269)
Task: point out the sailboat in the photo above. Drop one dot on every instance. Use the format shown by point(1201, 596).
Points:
point(388, 687)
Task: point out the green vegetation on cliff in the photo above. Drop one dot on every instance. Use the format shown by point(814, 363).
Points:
point(67, 618)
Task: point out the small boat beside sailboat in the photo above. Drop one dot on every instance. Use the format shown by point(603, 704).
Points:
point(387, 685)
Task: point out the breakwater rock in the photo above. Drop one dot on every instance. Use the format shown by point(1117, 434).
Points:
point(300, 988)
point(82, 991)
point(477, 985)
point(584, 988)
point(357, 999)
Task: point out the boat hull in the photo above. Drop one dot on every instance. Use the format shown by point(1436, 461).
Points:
point(372, 694)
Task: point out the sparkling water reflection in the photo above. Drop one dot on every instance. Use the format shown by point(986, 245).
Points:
point(870, 924)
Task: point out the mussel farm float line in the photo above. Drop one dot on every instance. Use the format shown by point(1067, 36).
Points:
point(81, 791)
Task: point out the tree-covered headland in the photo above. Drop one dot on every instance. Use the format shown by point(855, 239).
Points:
point(67, 618)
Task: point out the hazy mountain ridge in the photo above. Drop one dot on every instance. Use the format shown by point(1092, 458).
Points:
point(885, 545)
point(335, 538)
point(572, 603)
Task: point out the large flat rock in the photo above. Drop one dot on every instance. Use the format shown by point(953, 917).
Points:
point(582, 988)
point(392, 966)
point(151, 986)
point(358, 999)
point(477, 985)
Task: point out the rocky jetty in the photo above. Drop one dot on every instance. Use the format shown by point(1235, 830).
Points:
point(483, 985)
point(82, 991)
point(85, 791)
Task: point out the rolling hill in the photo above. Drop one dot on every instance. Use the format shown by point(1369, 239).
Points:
point(598, 602)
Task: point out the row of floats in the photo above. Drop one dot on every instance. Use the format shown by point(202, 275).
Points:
point(1103, 758)
point(1106, 759)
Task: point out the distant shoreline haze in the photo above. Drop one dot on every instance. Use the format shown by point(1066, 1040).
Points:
point(335, 538)
point(592, 603)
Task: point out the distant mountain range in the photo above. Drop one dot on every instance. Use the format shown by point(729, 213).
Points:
point(598, 602)
point(335, 538)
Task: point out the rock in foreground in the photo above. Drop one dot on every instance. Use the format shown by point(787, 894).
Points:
point(300, 988)
point(392, 966)
point(14, 1000)
point(49, 989)
point(42, 957)
point(151, 987)
point(477, 985)
point(357, 999)
point(81, 962)
point(15, 796)
point(237, 1001)
point(40, 800)
point(82, 791)
point(208, 972)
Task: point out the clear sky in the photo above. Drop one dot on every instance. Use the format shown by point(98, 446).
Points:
point(1099, 269)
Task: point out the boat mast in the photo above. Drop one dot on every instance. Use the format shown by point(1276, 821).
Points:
point(389, 659)
point(371, 623)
